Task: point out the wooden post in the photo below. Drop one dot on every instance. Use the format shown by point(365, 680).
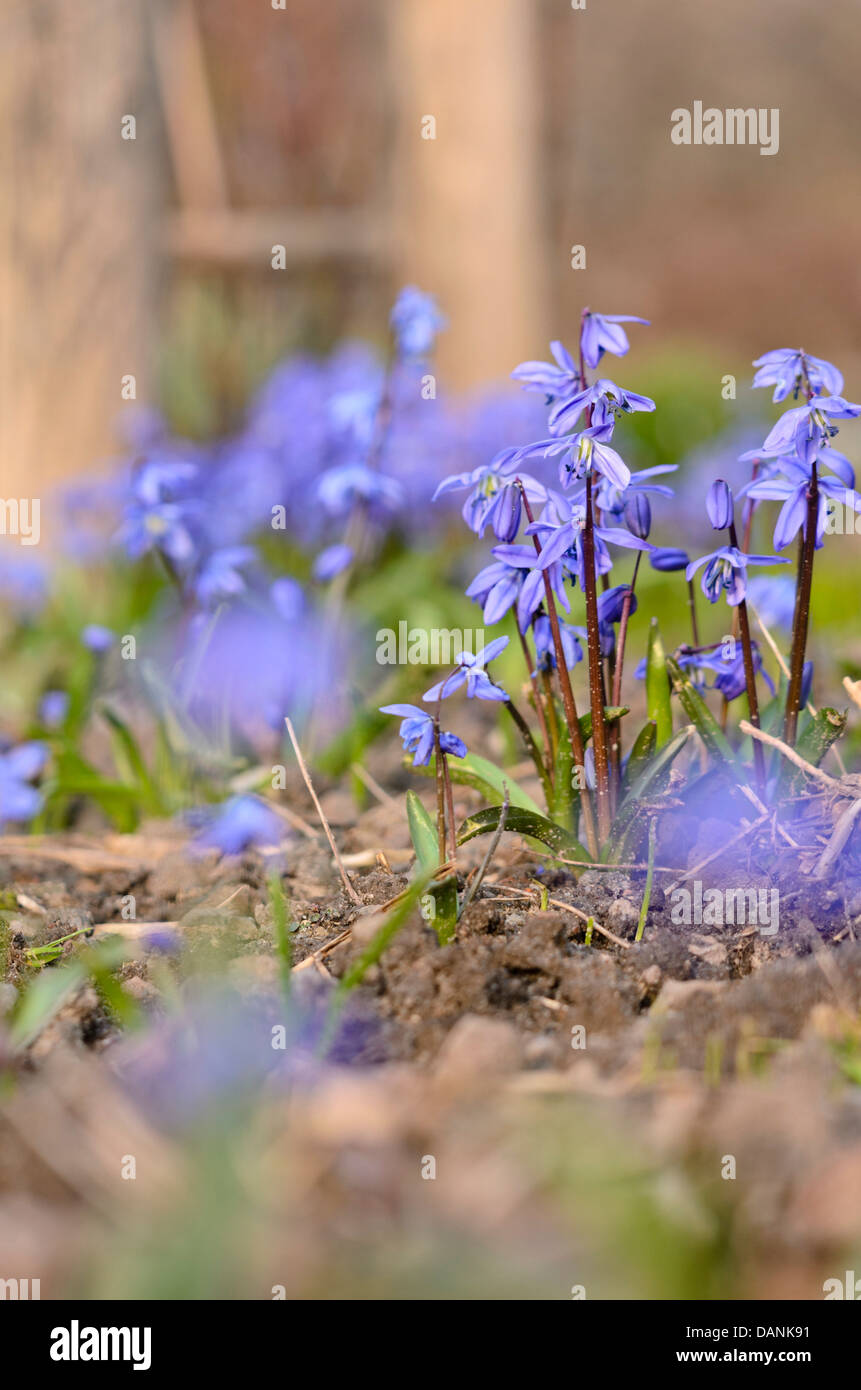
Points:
point(78, 235)
point(465, 181)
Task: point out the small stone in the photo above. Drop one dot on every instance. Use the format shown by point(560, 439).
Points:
point(477, 1048)
point(622, 916)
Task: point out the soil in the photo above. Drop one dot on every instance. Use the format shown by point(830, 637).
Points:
point(695, 1044)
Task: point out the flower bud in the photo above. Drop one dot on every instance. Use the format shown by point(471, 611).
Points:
point(638, 516)
point(666, 558)
point(719, 505)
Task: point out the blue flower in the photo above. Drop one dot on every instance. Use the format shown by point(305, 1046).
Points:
point(792, 491)
point(18, 766)
point(242, 822)
point(607, 401)
point(726, 570)
point(416, 731)
point(730, 677)
point(470, 670)
point(773, 597)
point(416, 320)
point(555, 383)
point(787, 369)
point(495, 496)
point(339, 489)
point(806, 430)
point(498, 585)
point(610, 605)
point(529, 588)
point(53, 708)
point(331, 562)
point(585, 451)
point(613, 500)
point(719, 505)
point(97, 638)
point(668, 558)
point(565, 539)
point(545, 649)
point(638, 516)
point(600, 333)
point(220, 576)
point(160, 526)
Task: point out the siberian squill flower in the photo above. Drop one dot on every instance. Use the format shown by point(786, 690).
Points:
point(415, 321)
point(340, 488)
point(601, 333)
point(160, 526)
point(789, 369)
point(494, 499)
point(807, 430)
point(557, 383)
point(773, 597)
point(638, 516)
point(545, 648)
point(220, 576)
point(726, 571)
point(610, 605)
point(416, 731)
point(606, 400)
point(331, 562)
point(585, 451)
point(498, 585)
point(613, 500)
point(470, 670)
point(668, 558)
point(240, 823)
point(530, 593)
point(792, 491)
point(53, 708)
point(18, 766)
point(565, 538)
point(97, 639)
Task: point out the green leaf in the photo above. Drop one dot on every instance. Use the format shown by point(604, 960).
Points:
point(486, 777)
point(522, 822)
point(439, 907)
point(658, 687)
point(627, 827)
point(611, 714)
point(75, 777)
point(699, 714)
point(813, 743)
point(423, 833)
point(642, 751)
point(130, 759)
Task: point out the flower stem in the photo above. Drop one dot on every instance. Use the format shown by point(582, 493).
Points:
point(568, 703)
point(692, 607)
point(749, 676)
point(596, 693)
point(440, 791)
point(801, 621)
point(627, 604)
point(539, 710)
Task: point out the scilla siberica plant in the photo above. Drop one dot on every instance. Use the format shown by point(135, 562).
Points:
point(557, 535)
